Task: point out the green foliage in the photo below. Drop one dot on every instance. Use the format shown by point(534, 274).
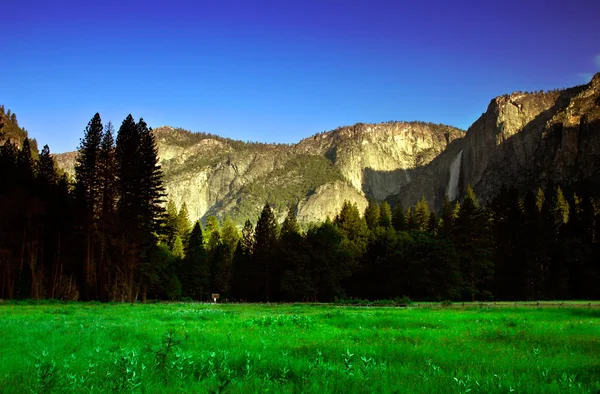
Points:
point(297, 178)
point(399, 218)
point(372, 215)
point(421, 215)
point(183, 222)
point(195, 273)
point(385, 215)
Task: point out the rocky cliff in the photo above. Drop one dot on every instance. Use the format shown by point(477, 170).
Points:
point(218, 176)
point(523, 139)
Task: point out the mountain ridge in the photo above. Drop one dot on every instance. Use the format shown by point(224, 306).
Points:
point(510, 144)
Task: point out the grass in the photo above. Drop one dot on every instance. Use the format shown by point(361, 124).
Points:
point(187, 347)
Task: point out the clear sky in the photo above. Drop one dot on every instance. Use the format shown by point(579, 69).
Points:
point(279, 71)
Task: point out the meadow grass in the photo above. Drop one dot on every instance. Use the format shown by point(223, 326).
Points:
point(190, 347)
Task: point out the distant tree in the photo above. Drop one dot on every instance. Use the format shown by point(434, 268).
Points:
point(385, 215)
point(195, 273)
point(561, 209)
point(45, 170)
point(447, 219)
point(372, 215)
point(412, 220)
point(170, 223)
point(242, 266)
point(421, 214)
point(178, 247)
point(212, 235)
point(290, 223)
point(433, 224)
point(473, 244)
point(183, 222)
point(398, 218)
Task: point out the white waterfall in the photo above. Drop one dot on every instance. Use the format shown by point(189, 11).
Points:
point(452, 189)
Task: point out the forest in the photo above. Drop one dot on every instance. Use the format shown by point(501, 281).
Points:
point(110, 234)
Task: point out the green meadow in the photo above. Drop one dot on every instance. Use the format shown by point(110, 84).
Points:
point(293, 348)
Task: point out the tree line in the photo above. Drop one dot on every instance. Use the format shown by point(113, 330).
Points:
point(110, 235)
point(88, 239)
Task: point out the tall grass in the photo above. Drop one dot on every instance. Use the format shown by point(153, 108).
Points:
point(296, 348)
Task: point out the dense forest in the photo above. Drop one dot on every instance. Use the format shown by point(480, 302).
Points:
point(111, 235)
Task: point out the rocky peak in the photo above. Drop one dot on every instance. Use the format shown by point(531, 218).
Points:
point(595, 82)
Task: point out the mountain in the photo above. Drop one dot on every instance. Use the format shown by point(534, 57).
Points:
point(522, 140)
point(11, 131)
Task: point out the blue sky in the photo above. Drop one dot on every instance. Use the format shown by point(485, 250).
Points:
point(279, 71)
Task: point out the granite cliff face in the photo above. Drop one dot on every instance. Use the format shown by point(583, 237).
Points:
point(316, 175)
point(218, 176)
point(523, 139)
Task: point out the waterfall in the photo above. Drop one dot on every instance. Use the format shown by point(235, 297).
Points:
point(452, 189)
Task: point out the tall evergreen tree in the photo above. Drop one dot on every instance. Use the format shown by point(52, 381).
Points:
point(242, 266)
point(195, 274)
point(447, 219)
point(421, 214)
point(372, 215)
point(89, 190)
point(385, 215)
point(398, 218)
point(183, 221)
point(265, 239)
point(45, 169)
point(473, 244)
point(107, 169)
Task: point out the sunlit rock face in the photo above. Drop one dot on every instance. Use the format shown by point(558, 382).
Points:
point(522, 140)
point(218, 176)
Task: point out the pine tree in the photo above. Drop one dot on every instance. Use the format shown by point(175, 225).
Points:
point(140, 201)
point(45, 170)
point(107, 169)
point(290, 223)
point(183, 222)
point(398, 218)
point(195, 274)
point(447, 219)
point(212, 234)
point(89, 189)
point(421, 214)
point(25, 169)
point(561, 209)
point(385, 215)
point(178, 247)
point(265, 239)
point(432, 224)
point(242, 267)
point(372, 215)
point(539, 200)
point(170, 228)
point(412, 220)
point(150, 182)
point(473, 244)
point(351, 224)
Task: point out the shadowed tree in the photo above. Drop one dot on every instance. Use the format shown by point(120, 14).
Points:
point(372, 215)
point(474, 247)
point(399, 218)
point(385, 215)
point(89, 187)
point(265, 240)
